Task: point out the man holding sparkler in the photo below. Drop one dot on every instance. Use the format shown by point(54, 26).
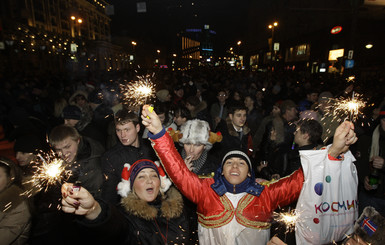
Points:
point(81, 153)
point(232, 208)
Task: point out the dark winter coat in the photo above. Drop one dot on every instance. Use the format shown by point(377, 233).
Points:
point(113, 162)
point(88, 168)
point(231, 138)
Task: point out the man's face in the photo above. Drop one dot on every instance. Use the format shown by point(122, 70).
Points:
point(235, 170)
point(128, 134)
point(222, 96)
point(291, 114)
point(190, 107)
point(179, 92)
point(313, 97)
point(248, 102)
point(194, 150)
point(238, 118)
point(299, 137)
point(71, 122)
point(67, 149)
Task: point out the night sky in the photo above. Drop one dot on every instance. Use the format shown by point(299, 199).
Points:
point(244, 20)
point(165, 18)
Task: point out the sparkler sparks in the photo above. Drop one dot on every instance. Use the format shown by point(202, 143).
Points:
point(288, 218)
point(49, 170)
point(350, 107)
point(138, 92)
point(351, 78)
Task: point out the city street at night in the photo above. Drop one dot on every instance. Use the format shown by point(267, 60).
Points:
point(192, 122)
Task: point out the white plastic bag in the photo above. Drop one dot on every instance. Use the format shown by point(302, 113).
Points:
point(327, 206)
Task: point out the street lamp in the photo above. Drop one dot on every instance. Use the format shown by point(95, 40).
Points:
point(76, 20)
point(272, 27)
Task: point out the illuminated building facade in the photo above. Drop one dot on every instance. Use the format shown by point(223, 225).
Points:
point(58, 35)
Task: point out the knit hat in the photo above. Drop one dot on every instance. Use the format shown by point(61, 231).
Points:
point(240, 154)
point(162, 95)
point(196, 132)
point(28, 143)
point(72, 112)
point(381, 113)
point(370, 226)
point(129, 174)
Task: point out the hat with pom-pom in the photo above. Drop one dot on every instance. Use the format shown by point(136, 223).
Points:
point(130, 172)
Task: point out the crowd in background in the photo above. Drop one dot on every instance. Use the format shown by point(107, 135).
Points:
point(90, 124)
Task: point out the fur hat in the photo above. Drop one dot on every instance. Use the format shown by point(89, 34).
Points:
point(370, 226)
point(72, 112)
point(129, 174)
point(196, 132)
point(240, 154)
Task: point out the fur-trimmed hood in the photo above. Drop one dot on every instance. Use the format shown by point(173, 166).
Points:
point(231, 128)
point(171, 207)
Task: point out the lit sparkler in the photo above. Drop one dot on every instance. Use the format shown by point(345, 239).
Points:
point(49, 170)
point(350, 107)
point(288, 218)
point(138, 92)
point(351, 78)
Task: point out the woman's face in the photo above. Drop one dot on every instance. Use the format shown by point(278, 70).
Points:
point(194, 150)
point(4, 179)
point(147, 185)
point(24, 158)
point(235, 170)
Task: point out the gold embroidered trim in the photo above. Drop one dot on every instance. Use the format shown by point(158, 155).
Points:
point(224, 217)
point(243, 203)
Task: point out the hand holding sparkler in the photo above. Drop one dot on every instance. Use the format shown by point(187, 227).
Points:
point(344, 136)
point(151, 120)
point(79, 201)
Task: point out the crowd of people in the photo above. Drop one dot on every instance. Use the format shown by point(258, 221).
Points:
point(219, 153)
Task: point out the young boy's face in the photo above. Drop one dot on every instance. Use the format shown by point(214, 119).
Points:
point(238, 118)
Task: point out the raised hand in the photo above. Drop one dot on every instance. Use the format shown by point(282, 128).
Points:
point(343, 138)
point(151, 120)
point(78, 200)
